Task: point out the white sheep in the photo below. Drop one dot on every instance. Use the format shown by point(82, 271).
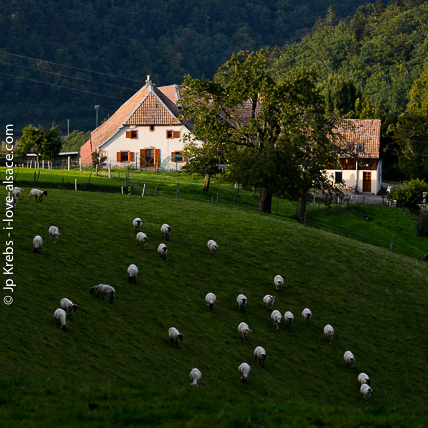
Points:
point(137, 223)
point(195, 377)
point(37, 244)
point(53, 232)
point(68, 306)
point(60, 316)
point(174, 335)
point(242, 302)
point(349, 358)
point(16, 192)
point(288, 318)
point(142, 239)
point(212, 246)
point(307, 315)
point(132, 273)
point(366, 391)
point(363, 378)
point(244, 330)
point(38, 194)
point(244, 370)
point(163, 250)
point(268, 300)
point(108, 290)
point(166, 230)
point(210, 299)
point(11, 203)
point(276, 317)
point(328, 332)
point(260, 353)
point(278, 281)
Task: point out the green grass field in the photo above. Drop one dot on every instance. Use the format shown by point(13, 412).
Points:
point(115, 365)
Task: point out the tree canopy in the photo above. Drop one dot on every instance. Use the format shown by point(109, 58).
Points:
point(274, 135)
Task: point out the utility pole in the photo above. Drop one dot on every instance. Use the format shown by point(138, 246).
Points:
point(68, 127)
point(96, 116)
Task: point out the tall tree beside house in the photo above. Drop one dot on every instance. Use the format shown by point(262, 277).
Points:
point(45, 144)
point(274, 136)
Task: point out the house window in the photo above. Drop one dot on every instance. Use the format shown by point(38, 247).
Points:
point(360, 147)
point(179, 156)
point(132, 134)
point(172, 134)
point(152, 128)
point(350, 146)
point(338, 177)
point(125, 156)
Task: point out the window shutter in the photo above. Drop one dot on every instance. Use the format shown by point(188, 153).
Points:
point(128, 134)
point(131, 156)
point(176, 134)
point(157, 158)
point(118, 156)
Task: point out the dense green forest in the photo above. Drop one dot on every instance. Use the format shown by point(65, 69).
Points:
point(163, 38)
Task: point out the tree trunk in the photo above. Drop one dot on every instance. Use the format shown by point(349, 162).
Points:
point(207, 182)
point(264, 202)
point(301, 210)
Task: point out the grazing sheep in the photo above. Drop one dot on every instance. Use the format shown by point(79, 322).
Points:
point(108, 290)
point(349, 358)
point(268, 300)
point(37, 243)
point(278, 281)
point(53, 232)
point(288, 318)
point(307, 315)
point(166, 230)
point(60, 316)
point(212, 246)
point(68, 306)
point(175, 335)
point(38, 194)
point(162, 250)
point(366, 391)
point(137, 223)
point(16, 192)
point(242, 302)
point(328, 332)
point(244, 330)
point(244, 370)
point(210, 299)
point(260, 353)
point(195, 377)
point(132, 273)
point(142, 239)
point(12, 204)
point(363, 378)
point(276, 317)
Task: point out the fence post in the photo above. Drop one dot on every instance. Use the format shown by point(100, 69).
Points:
point(80, 164)
point(89, 176)
point(144, 188)
point(75, 184)
point(217, 198)
point(156, 190)
point(122, 189)
point(392, 242)
point(108, 167)
point(68, 163)
point(132, 189)
point(96, 170)
point(38, 175)
point(178, 190)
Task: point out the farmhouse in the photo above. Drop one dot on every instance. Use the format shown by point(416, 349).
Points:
point(361, 167)
point(145, 132)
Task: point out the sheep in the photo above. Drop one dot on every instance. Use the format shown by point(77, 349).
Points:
point(195, 377)
point(68, 306)
point(268, 300)
point(244, 370)
point(213, 247)
point(137, 223)
point(162, 250)
point(278, 281)
point(53, 232)
point(16, 192)
point(142, 239)
point(276, 317)
point(349, 358)
point(174, 335)
point(38, 194)
point(244, 330)
point(132, 273)
point(328, 332)
point(12, 204)
point(166, 230)
point(364, 379)
point(37, 243)
point(260, 353)
point(210, 299)
point(288, 318)
point(242, 302)
point(366, 391)
point(60, 316)
point(307, 314)
point(108, 290)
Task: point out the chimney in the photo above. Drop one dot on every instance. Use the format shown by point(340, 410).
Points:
point(149, 83)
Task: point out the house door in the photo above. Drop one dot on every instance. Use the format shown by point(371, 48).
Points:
point(147, 157)
point(367, 181)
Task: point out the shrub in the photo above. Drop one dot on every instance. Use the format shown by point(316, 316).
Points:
point(421, 224)
point(410, 194)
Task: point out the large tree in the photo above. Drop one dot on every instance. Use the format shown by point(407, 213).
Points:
point(45, 144)
point(275, 136)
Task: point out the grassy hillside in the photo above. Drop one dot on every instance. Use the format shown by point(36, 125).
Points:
point(115, 364)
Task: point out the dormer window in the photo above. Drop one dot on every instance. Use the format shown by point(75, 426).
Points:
point(132, 134)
